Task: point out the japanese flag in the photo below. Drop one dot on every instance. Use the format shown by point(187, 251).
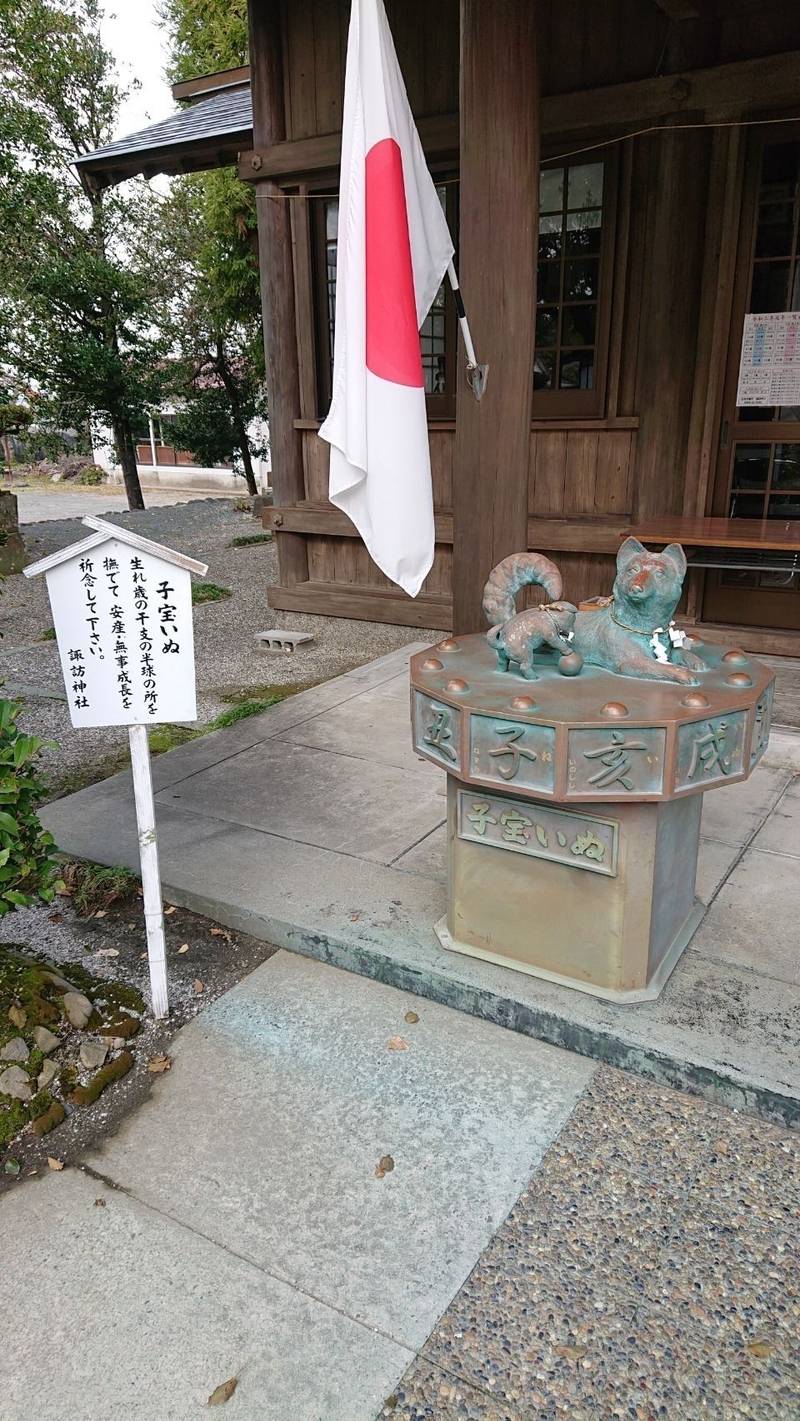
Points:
point(393, 251)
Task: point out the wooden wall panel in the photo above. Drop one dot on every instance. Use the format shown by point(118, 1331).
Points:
point(315, 457)
point(581, 472)
point(441, 443)
point(426, 39)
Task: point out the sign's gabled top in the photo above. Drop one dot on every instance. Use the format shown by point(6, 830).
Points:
point(103, 532)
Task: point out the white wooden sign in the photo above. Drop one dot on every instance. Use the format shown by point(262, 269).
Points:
point(769, 368)
point(122, 613)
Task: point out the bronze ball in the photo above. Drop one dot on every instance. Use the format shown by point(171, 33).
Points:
point(570, 664)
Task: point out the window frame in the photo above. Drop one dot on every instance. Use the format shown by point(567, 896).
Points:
point(439, 407)
point(583, 404)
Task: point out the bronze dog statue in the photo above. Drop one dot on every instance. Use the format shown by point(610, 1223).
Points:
point(633, 634)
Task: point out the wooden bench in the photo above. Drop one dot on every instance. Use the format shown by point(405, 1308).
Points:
point(751, 544)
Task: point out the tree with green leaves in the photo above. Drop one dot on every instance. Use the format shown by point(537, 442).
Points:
point(76, 284)
point(209, 231)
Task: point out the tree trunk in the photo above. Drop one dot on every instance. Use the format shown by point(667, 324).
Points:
point(126, 454)
point(238, 422)
point(247, 463)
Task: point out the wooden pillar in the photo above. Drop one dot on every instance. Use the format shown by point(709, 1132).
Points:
point(499, 199)
point(277, 283)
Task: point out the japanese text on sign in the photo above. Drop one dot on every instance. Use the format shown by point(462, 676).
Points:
point(769, 370)
point(123, 622)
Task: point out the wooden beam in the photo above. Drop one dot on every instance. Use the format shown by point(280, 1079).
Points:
point(747, 86)
point(570, 535)
point(277, 281)
point(679, 9)
point(438, 133)
point(372, 604)
point(499, 199)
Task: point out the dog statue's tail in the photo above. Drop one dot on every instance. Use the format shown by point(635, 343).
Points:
point(509, 576)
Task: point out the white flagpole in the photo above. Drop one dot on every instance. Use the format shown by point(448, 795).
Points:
point(476, 374)
point(151, 879)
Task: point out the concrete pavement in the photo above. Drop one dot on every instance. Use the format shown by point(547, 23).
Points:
point(241, 1229)
point(316, 827)
point(555, 1238)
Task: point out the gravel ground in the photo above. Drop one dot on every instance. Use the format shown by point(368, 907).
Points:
point(228, 659)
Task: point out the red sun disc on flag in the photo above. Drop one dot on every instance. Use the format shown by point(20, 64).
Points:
point(393, 351)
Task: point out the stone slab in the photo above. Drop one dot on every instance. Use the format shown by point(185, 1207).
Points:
point(122, 1311)
point(753, 921)
point(715, 861)
point(781, 832)
point(359, 807)
point(286, 1179)
point(733, 813)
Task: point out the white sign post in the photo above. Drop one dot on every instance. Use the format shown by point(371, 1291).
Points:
point(122, 613)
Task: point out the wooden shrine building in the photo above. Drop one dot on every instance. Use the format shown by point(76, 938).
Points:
point(623, 184)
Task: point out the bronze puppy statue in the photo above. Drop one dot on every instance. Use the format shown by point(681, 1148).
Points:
point(632, 635)
point(515, 636)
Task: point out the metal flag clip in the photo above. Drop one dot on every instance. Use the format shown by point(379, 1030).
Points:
point(476, 374)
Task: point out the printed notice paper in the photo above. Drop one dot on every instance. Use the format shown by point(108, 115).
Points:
point(769, 371)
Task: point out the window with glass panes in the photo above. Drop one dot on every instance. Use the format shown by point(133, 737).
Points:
point(569, 278)
point(433, 331)
point(765, 465)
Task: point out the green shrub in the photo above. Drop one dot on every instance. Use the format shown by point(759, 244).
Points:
point(28, 869)
point(92, 474)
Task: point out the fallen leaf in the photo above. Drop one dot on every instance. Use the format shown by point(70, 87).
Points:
point(572, 1354)
point(223, 1392)
point(55, 1163)
point(159, 1063)
point(411, 1017)
point(107, 952)
point(142, 956)
point(385, 1166)
point(100, 1203)
point(198, 986)
point(220, 932)
point(12, 1167)
point(184, 947)
point(354, 917)
point(396, 1043)
point(171, 909)
point(101, 913)
point(17, 1016)
point(760, 1349)
point(55, 917)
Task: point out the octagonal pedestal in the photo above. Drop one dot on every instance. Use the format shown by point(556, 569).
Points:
point(603, 901)
point(574, 806)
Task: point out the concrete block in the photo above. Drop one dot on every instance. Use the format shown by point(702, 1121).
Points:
point(278, 639)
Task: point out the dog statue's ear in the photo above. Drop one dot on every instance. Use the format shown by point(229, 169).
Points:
point(631, 548)
point(677, 557)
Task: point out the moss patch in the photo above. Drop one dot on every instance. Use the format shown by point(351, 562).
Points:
point(167, 737)
point(208, 592)
point(48, 1120)
point(87, 1094)
point(248, 540)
